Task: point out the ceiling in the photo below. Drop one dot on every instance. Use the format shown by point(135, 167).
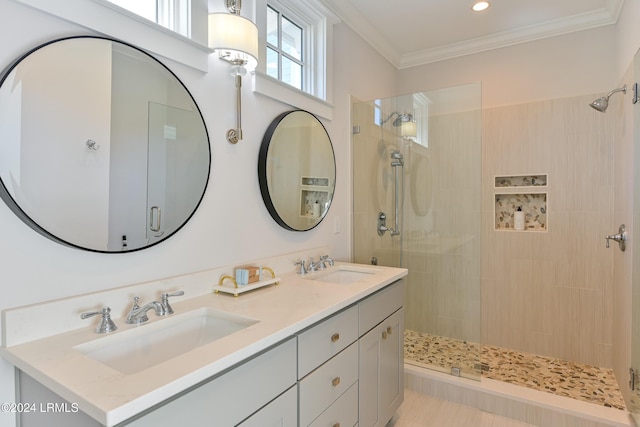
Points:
point(416, 32)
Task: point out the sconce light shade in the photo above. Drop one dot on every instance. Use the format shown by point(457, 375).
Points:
point(409, 129)
point(236, 35)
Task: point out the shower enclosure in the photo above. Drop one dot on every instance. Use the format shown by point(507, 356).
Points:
point(417, 204)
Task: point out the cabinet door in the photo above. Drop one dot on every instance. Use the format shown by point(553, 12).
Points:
point(392, 366)
point(381, 371)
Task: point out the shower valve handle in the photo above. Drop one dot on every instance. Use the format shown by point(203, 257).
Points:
point(621, 238)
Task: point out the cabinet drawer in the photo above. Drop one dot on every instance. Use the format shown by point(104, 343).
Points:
point(321, 342)
point(343, 412)
point(324, 385)
point(380, 306)
point(230, 398)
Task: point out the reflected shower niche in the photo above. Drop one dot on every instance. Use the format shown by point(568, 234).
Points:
point(519, 203)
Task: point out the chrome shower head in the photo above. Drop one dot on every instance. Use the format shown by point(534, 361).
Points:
point(402, 118)
point(601, 104)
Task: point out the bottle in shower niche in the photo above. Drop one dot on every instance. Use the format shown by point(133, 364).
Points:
point(316, 210)
point(518, 219)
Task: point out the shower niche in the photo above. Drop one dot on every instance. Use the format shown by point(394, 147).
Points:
point(314, 196)
point(520, 202)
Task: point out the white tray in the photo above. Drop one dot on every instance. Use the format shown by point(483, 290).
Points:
point(240, 289)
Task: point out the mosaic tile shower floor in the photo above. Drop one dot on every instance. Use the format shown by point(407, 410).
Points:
point(563, 378)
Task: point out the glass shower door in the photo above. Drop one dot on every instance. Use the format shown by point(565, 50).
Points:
point(175, 140)
point(437, 136)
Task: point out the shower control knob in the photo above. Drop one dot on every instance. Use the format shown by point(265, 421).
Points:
point(621, 238)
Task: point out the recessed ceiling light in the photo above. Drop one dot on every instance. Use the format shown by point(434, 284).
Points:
point(480, 6)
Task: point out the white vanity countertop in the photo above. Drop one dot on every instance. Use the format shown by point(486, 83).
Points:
point(111, 397)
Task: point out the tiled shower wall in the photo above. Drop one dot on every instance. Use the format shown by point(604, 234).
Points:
point(551, 293)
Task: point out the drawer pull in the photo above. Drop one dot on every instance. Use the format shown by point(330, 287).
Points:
point(389, 330)
point(384, 335)
point(336, 425)
point(335, 381)
point(335, 337)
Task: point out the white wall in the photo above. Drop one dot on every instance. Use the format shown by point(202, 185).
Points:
point(231, 226)
point(559, 67)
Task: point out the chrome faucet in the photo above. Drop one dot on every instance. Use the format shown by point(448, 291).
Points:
point(321, 264)
point(138, 314)
point(326, 259)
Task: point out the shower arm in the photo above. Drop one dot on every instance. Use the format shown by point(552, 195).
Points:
point(389, 117)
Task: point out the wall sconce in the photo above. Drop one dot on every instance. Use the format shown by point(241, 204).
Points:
point(236, 40)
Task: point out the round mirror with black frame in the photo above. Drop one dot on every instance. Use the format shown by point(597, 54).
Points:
point(102, 147)
point(297, 170)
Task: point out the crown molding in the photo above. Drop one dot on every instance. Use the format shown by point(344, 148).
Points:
point(584, 21)
point(557, 27)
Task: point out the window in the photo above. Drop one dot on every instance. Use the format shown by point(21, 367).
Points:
point(138, 27)
point(172, 14)
point(377, 112)
point(421, 115)
point(296, 38)
point(285, 60)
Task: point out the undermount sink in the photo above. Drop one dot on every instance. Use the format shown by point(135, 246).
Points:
point(148, 345)
point(344, 274)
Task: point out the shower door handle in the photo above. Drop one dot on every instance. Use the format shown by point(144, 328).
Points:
point(154, 225)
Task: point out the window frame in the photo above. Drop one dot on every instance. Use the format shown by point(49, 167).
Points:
point(281, 53)
point(114, 21)
point(317, 43)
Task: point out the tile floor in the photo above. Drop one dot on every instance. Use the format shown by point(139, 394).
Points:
point(578, 381)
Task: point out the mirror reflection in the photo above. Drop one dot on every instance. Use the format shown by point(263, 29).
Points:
point(297, 170)
point(103, 148)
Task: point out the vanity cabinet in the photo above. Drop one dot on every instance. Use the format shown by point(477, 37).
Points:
point(362, 384)
point(345, 370)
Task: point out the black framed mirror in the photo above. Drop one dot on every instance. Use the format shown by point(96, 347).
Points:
point(101, 146)
point(297, 170)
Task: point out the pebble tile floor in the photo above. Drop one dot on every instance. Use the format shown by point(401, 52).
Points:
point(563, 378)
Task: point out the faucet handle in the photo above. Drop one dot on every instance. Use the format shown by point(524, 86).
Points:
point(106, 325)
point(303, 268)
point(166, 307)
